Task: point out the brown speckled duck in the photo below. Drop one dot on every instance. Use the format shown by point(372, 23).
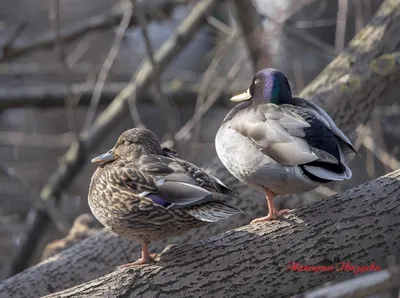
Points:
point(142, 191)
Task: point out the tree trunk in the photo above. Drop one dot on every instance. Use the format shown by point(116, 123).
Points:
point(359, 226)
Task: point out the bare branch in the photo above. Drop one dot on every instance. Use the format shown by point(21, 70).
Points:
point(316, 42)
point(390, 161)
point(36, 140)
point(233, 72)
point(210, 73)
point(162, 102)
point(252, 32)
point(295, 7)
point(340, 35)
point(8, 44)
point(303, 24)
point(98, 22)
point(10, 172)
point(126, 7)
point(80, 49)
point(54, 17)
point(359, 18)
point(47, 95)
point(33, 68)
point(221, 26)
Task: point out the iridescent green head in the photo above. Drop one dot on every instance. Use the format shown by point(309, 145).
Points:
point(269, 85)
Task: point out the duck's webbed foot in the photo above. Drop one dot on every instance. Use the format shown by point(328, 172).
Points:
point(273, 214)
point(145, 259)
point(138, 262)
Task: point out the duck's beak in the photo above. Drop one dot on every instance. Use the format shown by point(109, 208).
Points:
point(108, 156)
point(242, 96)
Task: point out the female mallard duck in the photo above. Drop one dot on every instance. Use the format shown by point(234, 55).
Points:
point(279, 144)
point(143, 191)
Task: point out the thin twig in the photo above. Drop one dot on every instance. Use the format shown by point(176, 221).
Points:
point(233, 72)
point(250, 24)
point(127, 7)
point(11, 173)
point(209, 74)
point(295, 7)
point(54, 17)
point(359, 19)
point(340, 35)
point(47, 95)
point(221, 26)
point(163, 103)
point(303, 34)
point(42, 68)
point(16, 138)
point(212, 68)
point(98, 22)
point(10, 41)
point(304, 24)
point(380, 154)
point(57, 217)
point(80, 49)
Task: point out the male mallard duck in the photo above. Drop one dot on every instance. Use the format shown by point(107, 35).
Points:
point(143, 191)
point(279, 144)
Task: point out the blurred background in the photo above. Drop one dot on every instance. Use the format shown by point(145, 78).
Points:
point(53, 53)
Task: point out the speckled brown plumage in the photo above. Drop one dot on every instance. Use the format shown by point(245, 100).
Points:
point(144, 192)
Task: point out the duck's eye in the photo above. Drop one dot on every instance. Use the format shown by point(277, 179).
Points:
point(127, 143)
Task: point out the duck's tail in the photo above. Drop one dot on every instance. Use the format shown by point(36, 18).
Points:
point(214, 211)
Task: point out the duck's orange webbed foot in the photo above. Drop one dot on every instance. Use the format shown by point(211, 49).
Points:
point(273, 214)
point(145, 259)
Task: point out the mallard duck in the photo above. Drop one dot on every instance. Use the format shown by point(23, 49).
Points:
point(141, 190)
point(279, 144)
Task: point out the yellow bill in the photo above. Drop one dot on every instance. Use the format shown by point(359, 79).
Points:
point(242, 96)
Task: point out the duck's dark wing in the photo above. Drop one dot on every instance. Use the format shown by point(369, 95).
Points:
point(291, 135)
point(175, 184)
point(328, 121)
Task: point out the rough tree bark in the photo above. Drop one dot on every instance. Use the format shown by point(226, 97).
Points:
point(359, 226)
point(348, 88)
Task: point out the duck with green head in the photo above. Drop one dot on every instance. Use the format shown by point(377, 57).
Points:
point(279, 144)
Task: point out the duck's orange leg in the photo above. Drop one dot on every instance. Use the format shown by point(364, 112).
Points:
point(272, 212)
point(145, 259)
